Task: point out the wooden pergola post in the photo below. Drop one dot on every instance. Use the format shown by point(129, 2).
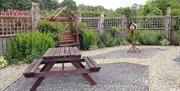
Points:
point(71, 24)
point(35, 12)
point(77, 31)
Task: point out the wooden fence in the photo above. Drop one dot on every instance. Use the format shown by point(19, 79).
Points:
point(11, 25)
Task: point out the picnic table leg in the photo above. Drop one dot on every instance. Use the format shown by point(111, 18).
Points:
point(79, 65)
point(46, 67)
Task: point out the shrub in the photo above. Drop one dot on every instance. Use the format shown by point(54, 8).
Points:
point(3, 62)
point(147, 37)
point(27, 46)
point(164, 42)
point(55, 28)
point(109, 37)
point(114, 30)
point(100, 43)
point(88, 38)
point(123, 41)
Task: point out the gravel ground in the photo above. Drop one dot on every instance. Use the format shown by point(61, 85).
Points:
point(112, 77)
point(9, 74)
point(177, 59)
point(160, 64)
point(145, 53)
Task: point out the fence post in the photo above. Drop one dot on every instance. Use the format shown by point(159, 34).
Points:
point(101, 24)
point(168, 23)
point(35, 15)
point(123, 23)
point(80, 18)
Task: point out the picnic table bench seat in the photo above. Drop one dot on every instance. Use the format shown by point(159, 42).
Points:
point(32, 68)
point(91, 63)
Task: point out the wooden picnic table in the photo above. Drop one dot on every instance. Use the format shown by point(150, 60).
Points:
point(61, 55)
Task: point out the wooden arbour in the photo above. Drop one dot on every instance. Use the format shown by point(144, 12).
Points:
point(68, 38)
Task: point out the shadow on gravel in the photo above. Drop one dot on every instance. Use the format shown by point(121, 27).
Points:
point(112, 77)
point(145, 53)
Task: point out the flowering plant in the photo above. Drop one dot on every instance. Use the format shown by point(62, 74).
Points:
point(3, 62)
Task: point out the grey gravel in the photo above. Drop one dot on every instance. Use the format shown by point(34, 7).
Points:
point(145, 53)
point(112, 77)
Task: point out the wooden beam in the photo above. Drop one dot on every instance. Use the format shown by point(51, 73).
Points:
point(62, 73)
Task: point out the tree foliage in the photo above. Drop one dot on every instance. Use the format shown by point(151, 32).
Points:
point(151, 7)
point(27, 4)
point(70, 4)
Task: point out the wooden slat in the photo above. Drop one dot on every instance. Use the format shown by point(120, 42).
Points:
point(36, 65)
point(55, 51)
point(62, 51)
point(62, 73)
point(72, 52)
point(89, 64)
point(92, 61)
point(77, 51)
point(58, 50)
point(67, 53)
point(28, 69)
point(47, 52)
point(52, 52)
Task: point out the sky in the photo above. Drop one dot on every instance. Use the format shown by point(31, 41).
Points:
point(109, 4)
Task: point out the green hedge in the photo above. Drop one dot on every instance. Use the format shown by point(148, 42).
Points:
point(26, 46)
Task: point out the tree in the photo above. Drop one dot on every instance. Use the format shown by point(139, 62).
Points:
point(86, 10)
point(70, 4)
point(15, 4)
point(48, 4)
point(160, 6)
point(149, 10)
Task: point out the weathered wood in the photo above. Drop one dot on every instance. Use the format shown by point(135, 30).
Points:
point(46, 68)
point(91, 64)
point(65, 52)
point(62, 73)
point(31, 70)
point(93, 61)
point(35, 15)
point(85, 75)
point(53, 56)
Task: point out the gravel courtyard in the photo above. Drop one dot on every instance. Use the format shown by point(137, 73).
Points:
point(156, 68)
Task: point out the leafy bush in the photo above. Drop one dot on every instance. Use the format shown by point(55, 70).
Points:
point(88, 38)
point(164, 42)
point(123, 41)
point(3, 62)
point(147, 37)
point(27, 46)
point(55, 28)
point(109, 38)
point(114, 30)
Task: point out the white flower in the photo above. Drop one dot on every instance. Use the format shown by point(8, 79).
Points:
point(3, 62)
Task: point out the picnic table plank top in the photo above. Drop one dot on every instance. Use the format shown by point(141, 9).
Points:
point(62, 52)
